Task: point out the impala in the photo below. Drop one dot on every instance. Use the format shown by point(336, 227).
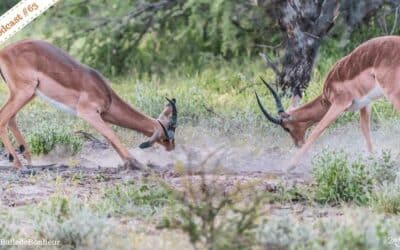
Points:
point(369, 72)
point(36, 68)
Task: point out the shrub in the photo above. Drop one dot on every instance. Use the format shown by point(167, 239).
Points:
point(43, 138)
point(216, 218)
point(339, 180)
point(72, 223)
point(358, 230)
point(354, 230)
point(285, 233)
point(384, 169)
point(386, 198)
point(349, 239)
point(6, 233)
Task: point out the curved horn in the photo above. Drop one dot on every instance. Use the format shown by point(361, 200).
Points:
point(174, 117)
point(268, 116)
point(278, 102)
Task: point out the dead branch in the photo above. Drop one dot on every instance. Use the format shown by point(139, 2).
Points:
point(270, 64)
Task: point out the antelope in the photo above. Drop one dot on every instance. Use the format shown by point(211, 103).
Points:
point(36, 68)
point(369, 72)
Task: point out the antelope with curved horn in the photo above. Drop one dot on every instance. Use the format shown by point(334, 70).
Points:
point(369, 72)
point(36, 68)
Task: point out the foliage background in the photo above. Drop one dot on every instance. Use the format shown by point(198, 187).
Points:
point(205, 53)
point(154, 37)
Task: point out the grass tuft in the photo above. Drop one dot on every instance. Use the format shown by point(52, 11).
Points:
point(139, 199)
point(337, 179)
point(386, 199)
point(70, 222)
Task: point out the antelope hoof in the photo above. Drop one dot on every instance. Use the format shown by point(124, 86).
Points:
point(10, 157)
point(21, 149)
point(132, 164)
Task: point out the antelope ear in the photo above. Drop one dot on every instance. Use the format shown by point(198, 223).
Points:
point(151, 141)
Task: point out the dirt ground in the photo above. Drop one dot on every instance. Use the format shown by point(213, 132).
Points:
point(96, 165)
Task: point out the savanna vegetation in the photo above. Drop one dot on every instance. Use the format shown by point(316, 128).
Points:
point(224, 186)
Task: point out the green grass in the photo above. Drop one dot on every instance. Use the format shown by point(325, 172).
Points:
point(139, 199)
point(366, 182)
point(70, 222)
point(383, 169)
point(386, 199)
point(130, 212)
point(354, 229)
point(337, 179)
point(45, 136)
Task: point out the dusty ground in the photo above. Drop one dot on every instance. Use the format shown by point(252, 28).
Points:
point(96, 165)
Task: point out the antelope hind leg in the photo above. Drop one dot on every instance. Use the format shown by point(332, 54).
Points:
point(24, 148)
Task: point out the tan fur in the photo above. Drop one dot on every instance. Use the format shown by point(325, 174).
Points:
point(31, 67)
point(374, 63)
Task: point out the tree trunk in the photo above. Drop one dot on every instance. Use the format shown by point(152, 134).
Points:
point(305, 24)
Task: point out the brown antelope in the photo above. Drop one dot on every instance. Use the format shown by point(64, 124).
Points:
point(369, 72)
point(36, 68)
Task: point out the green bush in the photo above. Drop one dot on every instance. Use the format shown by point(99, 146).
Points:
point(383, 169)
point(338, 180)
point(70, 222)
point(386, 199)
point(44, 137)
point(214, 217)
point(354, 229)
point(190, 35)
point(285, 233)
point(348, 239)
point(5, 232)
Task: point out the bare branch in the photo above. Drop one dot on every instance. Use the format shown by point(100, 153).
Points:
point(270, 64)
point(273, 47)
point(327, 17)
point(151, 8)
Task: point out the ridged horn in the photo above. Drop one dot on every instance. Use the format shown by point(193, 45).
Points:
point(272, 119)
point(174, 118)
point(278, 102)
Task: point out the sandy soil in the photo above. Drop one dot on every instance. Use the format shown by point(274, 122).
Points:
point(237, 160)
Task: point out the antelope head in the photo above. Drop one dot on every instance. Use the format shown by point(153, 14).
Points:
point(168, 121)
point(296, 129)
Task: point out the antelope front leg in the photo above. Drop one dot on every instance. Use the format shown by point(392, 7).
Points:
point(333, 113)
point(95, 120)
